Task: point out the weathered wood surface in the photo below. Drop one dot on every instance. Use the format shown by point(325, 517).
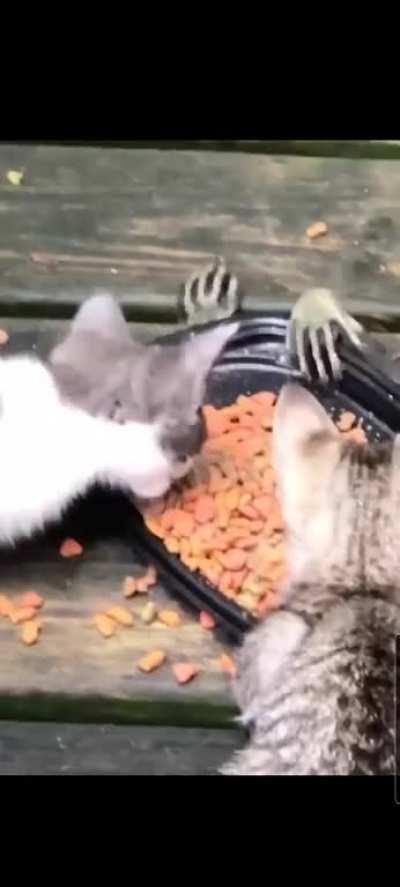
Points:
point(32, 749)
point(382, 149)
point(73, 674)
point(138, 222)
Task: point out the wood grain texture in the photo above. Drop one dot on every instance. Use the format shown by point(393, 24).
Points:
point(32, 749)
point(381, 149)
point(138, 222)
point(73, 674)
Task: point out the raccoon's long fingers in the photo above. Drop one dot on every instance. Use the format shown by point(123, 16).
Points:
point(331, 351)
point(232, 296)
point(350, 326)
point(189, 305)
point(217, 273)
point(316, 353)
point(301, 351)
point(355, 332)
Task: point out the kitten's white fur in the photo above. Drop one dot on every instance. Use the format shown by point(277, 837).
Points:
point(50, 452)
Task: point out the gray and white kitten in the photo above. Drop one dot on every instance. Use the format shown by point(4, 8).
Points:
point(316, 679)
point(58, 433)
point(102, 370)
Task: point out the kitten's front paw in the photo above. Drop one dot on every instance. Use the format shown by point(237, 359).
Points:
point(210, 295)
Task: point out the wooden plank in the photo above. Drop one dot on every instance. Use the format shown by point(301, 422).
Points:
point(73, 674)
point(381, 149)
point(138, 222)
point(40, 335)
point(31, 749)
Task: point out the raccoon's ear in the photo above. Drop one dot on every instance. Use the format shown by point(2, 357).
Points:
point(298, 417)
point(305, 447)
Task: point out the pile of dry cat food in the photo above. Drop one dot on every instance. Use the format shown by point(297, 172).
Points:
point(228, 525)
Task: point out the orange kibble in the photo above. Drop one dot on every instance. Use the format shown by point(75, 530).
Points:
point(205, 509)
point(249, 511)
point(232, 499)
point(30, 632)
point(225, 584)
point(151, 576)
point(207, 621)
point(129, 586)
point(246, 542)
point(185, 671)
point(105, 626)
point(22, 614)
point(6, 605)
point(222, 518)
point(170, 618)
point(217, 483)
point(167, 520)
point(172, 544)
point(216, 422)
point(357, 435)
point(71, 548)
point(227, 663)
point(151, 661)
point(186, 548)
point(184, 524)
point(230, 527)
point(346, 421)
point(154, 525)
point(32, 599)
point(317, 229)
point(190, 561)
point(263, 505)
point(142, 586)
point(265, 398)
point(121, 615)
point(238, 579)
point(234, 559)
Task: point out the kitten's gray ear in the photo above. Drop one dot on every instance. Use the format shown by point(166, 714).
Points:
point(201, 352)
point(102, 315)
point(98, 318)
point(302, 438)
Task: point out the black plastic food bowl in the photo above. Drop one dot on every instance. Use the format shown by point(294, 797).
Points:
point(256, 360)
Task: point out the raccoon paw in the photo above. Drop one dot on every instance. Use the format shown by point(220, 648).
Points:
point(210, 295)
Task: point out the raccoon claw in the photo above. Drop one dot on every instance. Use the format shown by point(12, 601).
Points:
point(210, 295)
point(311, 319)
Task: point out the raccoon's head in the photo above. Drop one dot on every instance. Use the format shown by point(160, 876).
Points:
point(340, 499)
